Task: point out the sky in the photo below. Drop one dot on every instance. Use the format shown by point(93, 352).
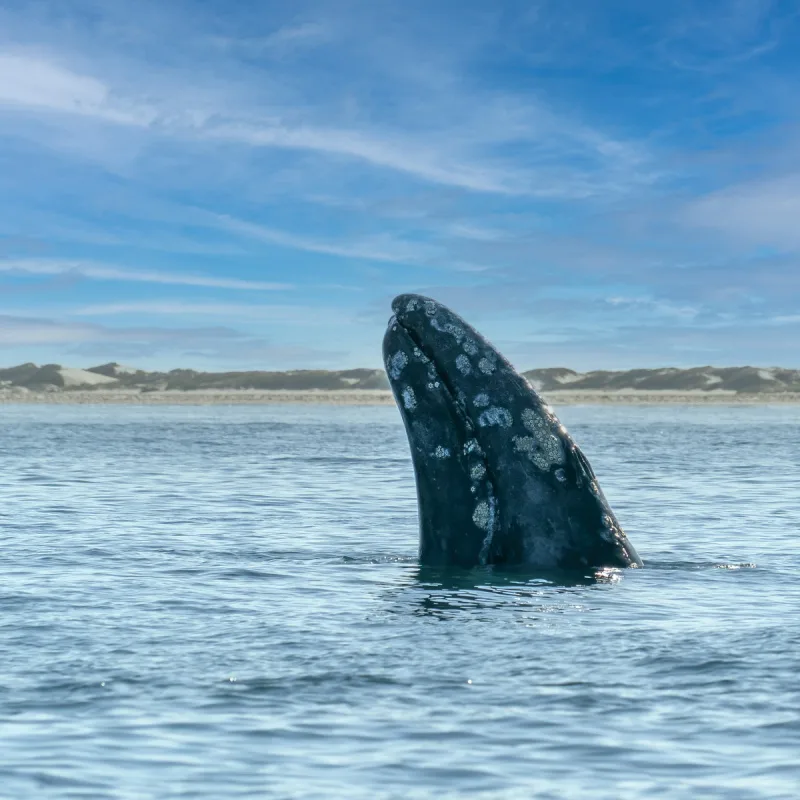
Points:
point(247, 185)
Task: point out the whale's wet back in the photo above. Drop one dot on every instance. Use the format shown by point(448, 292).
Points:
point(499, 479)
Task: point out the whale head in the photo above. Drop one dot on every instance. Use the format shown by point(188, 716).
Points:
point(499, 479)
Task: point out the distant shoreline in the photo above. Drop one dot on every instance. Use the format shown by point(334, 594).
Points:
point(362, 397)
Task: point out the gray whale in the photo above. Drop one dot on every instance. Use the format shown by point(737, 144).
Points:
point(499, 479)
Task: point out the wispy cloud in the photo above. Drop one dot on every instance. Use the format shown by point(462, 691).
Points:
point(15, 330)
point(463, 160)
point(286, 39)
point(762, 212)
point(28, 81)
point(186, 346)
point(106, 272)
point(307, 316)
point(655, 307)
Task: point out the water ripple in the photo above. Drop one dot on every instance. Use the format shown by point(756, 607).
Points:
point(226, 602)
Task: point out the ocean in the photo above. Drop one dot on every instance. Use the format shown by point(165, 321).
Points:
point(225, 602)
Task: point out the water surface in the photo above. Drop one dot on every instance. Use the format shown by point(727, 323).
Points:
point(224, 602)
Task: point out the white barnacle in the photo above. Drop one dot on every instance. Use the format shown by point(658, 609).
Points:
point(543, 452)
point(552, 451)
point(525, 444)
point(396, 364)
point(486, 366)
point(471, 446)
point(448, 327)
point(480, 400)
point(477, 471)
point(470, 348)
point(411, 305)
point(491, 523)
point(430, 307)
point(609, 530)
point(480, 516)
point(532, 421)
point(441, 452)
point(495, 415)
point(463, 365)
point(455, 331)
point(409, 398)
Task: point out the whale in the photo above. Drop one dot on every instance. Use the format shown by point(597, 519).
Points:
point(499, 479)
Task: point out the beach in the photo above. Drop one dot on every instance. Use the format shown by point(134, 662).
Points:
point(377, 397)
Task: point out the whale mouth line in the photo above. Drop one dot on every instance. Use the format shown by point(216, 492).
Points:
point(470, 431)
point(447, 384)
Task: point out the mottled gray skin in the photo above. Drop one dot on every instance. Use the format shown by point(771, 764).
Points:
point(499, 479)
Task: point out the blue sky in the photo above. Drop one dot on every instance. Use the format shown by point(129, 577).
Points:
point(247, 185)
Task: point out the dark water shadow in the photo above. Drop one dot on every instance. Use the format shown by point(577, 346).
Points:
point(439, 592)
point(450, 578)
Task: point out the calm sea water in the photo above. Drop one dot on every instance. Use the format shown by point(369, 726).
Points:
point(225, 603)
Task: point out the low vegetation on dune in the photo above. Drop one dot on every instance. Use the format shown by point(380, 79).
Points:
point(53, 377)
point(742, 380)
point(109, 377)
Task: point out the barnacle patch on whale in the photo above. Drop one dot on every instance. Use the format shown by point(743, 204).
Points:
point(495, 415)
point(544, 452)
point(472, 446)
point(448, 327)
point(396, 364)
point(477, 471)
point(480, 516)
point(486, 366)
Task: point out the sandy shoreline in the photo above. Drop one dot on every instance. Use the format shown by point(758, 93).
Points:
point(376, 397)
